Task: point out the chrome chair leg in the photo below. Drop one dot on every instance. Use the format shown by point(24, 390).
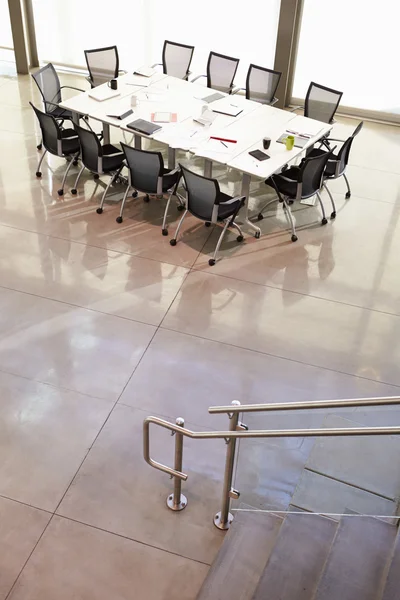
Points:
point(289, 217)
point(74, 189)
point(239, 230)
point(333, 213)
point(324, 219)
point(173, 241)
point(61, 190)
point(119, 219)
point(164, 229)
point(260, 215)
point(38, 171)
point(348, 195)
point(113, 177)
point(212, 260)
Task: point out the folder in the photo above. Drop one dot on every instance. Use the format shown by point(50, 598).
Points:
point(145, 127)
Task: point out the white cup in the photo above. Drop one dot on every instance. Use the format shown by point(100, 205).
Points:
point(133, 101)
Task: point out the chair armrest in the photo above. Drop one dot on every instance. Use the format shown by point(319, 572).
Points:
point(335, 140)
point(70, 87)
point(156, 65)
point(235, 199)
point(274, 101)
point(122, 72)
point(296, 108)
point(173, 171)
point(238, 89)
point(198, 77)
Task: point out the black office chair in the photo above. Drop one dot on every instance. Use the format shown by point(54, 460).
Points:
point(221, 71)
point(337, 164)
point(146, 174)
point(206, 202)
point(261, 85)
point(102, 64)
point(98, 159)
point(298, 183)
point(58, 141)
point(321, 103)
point(50, 89)
point(176, 59)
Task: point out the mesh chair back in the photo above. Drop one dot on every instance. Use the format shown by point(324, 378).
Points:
point(51, 131)
point(145, 168)
point(176, 59)
point(49, 86)
point(311, 173)
point(202, 194)
point(261, 84)
point(221, 71)
point(344, 153)
point(321, 102)
point(103, 64)
point(90, 147)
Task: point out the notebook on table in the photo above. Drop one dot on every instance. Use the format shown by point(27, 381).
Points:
point(226, 107)
point(102, 93)
point(164, 117)
point(212, 98)
point(122, 116)
point(299, 142)
point(145, 127)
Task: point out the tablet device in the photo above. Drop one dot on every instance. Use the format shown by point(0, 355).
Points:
point(259, 155)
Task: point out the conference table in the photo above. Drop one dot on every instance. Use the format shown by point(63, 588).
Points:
point(163, 93)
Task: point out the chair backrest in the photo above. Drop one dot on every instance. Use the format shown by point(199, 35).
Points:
point(221, 71)
point(202, 194)
point(91, 150)
point(261, 84)
point(344, 153)
point(311, 173)
point(321, 102)
point(103, 64)
point(51, 131)
point(49, 86)
point(145, 168)
point(176, 59)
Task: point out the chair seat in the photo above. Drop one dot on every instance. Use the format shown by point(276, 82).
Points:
point(287, 188)
point(61, 113)
point(70, 141)
point(169, 179)
point(227, 210)
point(330, 169)
point(113, 162)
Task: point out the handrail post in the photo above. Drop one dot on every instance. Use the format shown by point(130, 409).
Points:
point(224, 518)
point(178, 501)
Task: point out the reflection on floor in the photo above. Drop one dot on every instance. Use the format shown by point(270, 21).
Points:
point(103, 324)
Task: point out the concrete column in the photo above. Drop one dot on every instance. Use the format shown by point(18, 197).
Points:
point(17, 28)
point(286, 46)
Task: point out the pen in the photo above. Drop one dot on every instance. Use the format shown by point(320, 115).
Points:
point(223, 143)
point(213, 137)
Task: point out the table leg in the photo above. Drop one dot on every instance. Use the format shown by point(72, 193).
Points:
point(138, 142)
point(75, 118)
point(106, 133)
point(246, 178)
point(171, 158)
point(207, 167)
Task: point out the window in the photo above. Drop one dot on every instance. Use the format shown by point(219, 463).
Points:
point(6, 40)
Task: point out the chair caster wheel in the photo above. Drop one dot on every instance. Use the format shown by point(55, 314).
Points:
point(165, 232)
point(96, 176)
point(74, 191)
point(60, 192)
point(294, 238)
point(39, 147)
point(348, 195)
point(239, 238)
point(172, 242)
point(211, 262)
point(257, 235)
point(180, 207)
point(333, 215)
point(99, 211)
point(207, 224)
point(38, 174)
point(260, 217)
point(74, 162)
point(119, 219)
point(324, 221)
point(135, 194)
point(146, 198)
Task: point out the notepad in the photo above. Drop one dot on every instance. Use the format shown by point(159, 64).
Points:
point(145, 71)
point(164, 117)
point(122, 116)
point(226, 107)
point(137, 80)
point(212, 98)
point(144, 127)
point(299, 142)
point(102, 93)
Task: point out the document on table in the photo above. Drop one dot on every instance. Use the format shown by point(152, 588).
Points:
point(221, 151)
point(304, 126)
point(137, 80)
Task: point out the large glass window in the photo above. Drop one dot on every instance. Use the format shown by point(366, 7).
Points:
point(6, 40)
point(139, 27)
point(352, 46)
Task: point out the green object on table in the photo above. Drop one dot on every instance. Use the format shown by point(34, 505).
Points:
point(289, 141)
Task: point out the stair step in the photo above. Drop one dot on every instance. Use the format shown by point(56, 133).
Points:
point(356, 564)
point(392, 587)
point(298, 558)
point(242, 557)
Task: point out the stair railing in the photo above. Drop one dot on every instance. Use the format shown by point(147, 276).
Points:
point(237, 430)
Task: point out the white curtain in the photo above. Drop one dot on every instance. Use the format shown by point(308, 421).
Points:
point(351, 46)
point(246, 30)
point(6, 40)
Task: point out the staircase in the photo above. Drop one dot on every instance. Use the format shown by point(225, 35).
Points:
point(305, 557)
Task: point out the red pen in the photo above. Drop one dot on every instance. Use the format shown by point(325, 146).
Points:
point(212, 137)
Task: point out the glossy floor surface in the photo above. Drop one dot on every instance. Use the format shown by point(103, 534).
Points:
point(103, 324)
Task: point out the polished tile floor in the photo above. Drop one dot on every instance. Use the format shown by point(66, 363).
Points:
point(103, 324)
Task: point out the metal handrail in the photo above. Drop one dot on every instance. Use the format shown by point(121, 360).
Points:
point(237, 430)
point(314, 404)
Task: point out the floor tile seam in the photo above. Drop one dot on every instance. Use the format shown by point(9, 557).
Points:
point(184, 278)
point(198, 269)
point(26, 504)
point(278, 356)
point(121, 252)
